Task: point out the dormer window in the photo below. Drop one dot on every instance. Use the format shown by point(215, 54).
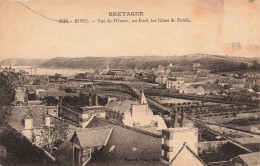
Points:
point(28, 122)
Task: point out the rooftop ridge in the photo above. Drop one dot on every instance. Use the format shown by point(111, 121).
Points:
point(130, 128)
point(187, 146)
point(95, 128)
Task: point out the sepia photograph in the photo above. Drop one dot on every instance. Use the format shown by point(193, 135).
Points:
point(129, 82)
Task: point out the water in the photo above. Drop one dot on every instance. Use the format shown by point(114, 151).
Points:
point(49, 71)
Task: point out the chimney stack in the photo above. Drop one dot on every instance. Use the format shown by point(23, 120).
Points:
point(175, 120)
point(96, 99)
point(47, 121)
point(60, 105)
point(90, 100)
point(60, 101)
point(183, 113)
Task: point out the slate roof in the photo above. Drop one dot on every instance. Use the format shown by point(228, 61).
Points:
point(196, 85)
point(211, 86)
point(176, 79)
point(111, 105)
point(93, 137)
point(250, 158)
point(121, 107)
point(20, 151)
point(207, 86)
point(37, 113)
point(65, 152)
point(53, 93)
point(127, 143)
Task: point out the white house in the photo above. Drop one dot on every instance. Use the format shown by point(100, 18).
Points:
point(174, 83)
point(134, 113)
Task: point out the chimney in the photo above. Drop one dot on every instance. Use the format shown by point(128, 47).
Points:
point(48, 121)
point(183, 113)
point(175, 120)
point(96, 99)
point(90, 100)
point(28, 122)
point(60, 101)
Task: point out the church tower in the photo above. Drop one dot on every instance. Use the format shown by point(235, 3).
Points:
point(143, 98)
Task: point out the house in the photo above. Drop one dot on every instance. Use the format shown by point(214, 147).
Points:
point(161, 69)
point(238, 83)
point(36, 79)
point(33, 90)
point(83, 144)
point(224, 81)
point(138, 76)
point(234, 82)
point(110, 143)
point(249, 159)
point(32, 120)
point(81, 75)
point(186, 153)
point(123, 146)
point(186, 88)
point(174, 83)
point(80, 117)
point(201, 89)
point(161, 78)
point(134, 113)
point(196, 65)
point(16, 149)
point(21, 95)
point(203, 72)
point(51, 93)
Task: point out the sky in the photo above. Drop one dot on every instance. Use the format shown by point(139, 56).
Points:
point(223, 27)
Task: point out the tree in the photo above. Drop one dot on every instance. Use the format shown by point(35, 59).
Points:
point(243, 66)
point(50, 100)
point(54, 135)
point(8, 84)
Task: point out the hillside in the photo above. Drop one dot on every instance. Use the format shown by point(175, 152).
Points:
point(180, 63)
point(22, 62)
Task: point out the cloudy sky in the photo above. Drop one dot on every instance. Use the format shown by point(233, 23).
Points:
point(224, 27)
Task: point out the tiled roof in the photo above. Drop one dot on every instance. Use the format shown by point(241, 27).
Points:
point(93, 137)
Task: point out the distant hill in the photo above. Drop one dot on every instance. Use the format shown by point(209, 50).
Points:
point(23, 62)
point(180, 63)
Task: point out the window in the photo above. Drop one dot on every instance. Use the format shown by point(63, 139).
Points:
point(76, 156)
point(163, 140)
point(165, 154)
